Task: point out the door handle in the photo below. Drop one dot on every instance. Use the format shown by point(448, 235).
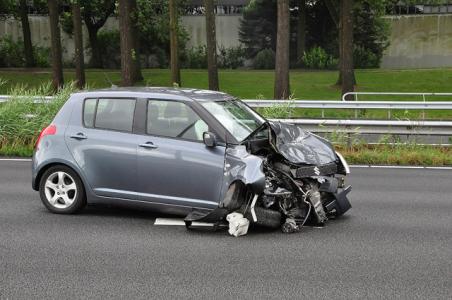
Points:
point(79, 136)
point(149, 145)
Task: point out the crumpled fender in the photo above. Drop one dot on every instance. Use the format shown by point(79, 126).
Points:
point(244, 167)
point(300, 146)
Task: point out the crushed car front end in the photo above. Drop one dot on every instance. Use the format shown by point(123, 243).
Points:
point(293, 173)
point(282, 176)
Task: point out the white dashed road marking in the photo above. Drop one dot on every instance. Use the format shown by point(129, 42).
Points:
point(15, 159)
point(177, 222)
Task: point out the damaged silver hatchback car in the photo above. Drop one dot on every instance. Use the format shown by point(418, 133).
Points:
point(196, 153)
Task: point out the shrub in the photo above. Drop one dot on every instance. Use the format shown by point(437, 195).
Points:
point(11, 52)
point(265, 59)
point(108, 41)
point(365, 58)
point(42, 56)
point(279, 111)
point(21, 119)
point(231, 58)
point(196, 58)
point(317, 58)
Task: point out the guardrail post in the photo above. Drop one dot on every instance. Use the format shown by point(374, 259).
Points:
point(423, 110)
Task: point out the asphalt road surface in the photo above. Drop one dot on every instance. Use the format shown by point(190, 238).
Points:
point(396, 242)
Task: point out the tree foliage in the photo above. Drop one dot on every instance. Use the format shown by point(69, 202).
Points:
point(371, 31)
point(258, 26)
point(154, 30)
point(7, 7)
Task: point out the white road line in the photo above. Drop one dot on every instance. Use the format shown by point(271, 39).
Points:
point(401, 167)
point(177, 222)
point(15, 159)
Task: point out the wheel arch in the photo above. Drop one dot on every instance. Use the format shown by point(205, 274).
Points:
point(44, 168)
point(235, 194)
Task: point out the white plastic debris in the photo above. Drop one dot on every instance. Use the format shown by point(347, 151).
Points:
point(238, 225)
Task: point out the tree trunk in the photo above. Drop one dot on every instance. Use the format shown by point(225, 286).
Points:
point(96, 57)
point(94, 20)
point(175, 71)
point(137, 75)
point(282, 89)
point(79, 59)
point(55, 41)
point(126, 43)
point(301, 29)
point(28, 46)
point(340, 41)
point(346, 75)
point(212, 67)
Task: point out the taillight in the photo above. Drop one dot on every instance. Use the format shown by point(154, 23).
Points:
point(49, 130)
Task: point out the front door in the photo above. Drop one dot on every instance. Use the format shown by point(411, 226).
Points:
point(174, 165)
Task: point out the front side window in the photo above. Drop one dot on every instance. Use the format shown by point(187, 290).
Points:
point(236, 117)
point(174, 119)
point(113, 114)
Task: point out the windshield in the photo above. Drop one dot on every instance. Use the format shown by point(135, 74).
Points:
point(236, 117)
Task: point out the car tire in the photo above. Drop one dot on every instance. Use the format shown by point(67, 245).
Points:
point(265, 217)
point(61, 190)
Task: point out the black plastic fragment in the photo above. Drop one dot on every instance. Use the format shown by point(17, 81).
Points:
point(340, 204)
point(213, 216)
point(330, 185)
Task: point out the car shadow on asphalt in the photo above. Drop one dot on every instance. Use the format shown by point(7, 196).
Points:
point(117, 211)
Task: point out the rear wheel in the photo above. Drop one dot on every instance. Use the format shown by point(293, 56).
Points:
point(61, 190)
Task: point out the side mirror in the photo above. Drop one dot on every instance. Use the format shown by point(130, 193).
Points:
point(209, 139)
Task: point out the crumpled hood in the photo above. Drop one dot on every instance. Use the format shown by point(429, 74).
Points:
point(300, 146)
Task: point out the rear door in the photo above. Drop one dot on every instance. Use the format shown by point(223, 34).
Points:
point(104, 146)
point(174, 165)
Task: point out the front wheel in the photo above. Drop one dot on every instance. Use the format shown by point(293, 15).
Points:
point(62, 191)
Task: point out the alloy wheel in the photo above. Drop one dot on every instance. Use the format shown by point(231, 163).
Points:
point(60, 189)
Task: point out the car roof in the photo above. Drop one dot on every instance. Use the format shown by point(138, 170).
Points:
point(166, 93)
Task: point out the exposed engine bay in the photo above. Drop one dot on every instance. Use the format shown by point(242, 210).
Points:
point(281, 177)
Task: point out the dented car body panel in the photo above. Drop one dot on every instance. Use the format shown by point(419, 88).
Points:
point(244, 167)
point(302, 147)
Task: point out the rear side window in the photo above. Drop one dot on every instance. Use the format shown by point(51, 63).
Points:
point(113, 114)
point(174, 119)
point(89, 111)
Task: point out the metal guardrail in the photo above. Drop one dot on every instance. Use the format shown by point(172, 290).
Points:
point(334, 104)
point(322, 104)
point(432, 128)
point(41, 99)
point(356, 105)
point(396, 127)
point(423, 95)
